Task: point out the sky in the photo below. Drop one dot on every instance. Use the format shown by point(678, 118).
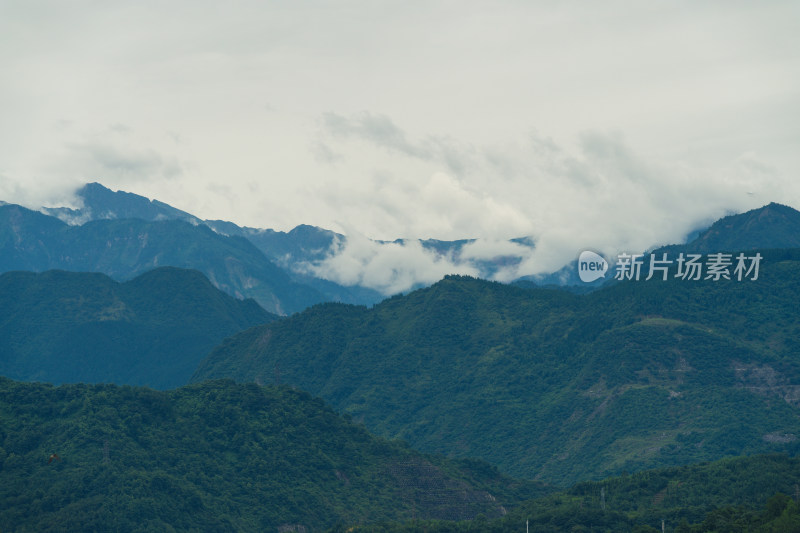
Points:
point(608, 125)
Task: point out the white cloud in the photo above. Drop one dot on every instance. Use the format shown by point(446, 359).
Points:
point(393, 267)
point(434, 206)
point(390, 268)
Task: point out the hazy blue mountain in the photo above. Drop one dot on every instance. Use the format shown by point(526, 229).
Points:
point(301, 245)
point(25, 238)
point(124, 248)
point(68, 327)
point(772, 226)
point(294, 249)
point(217, 457)
point(297, 251)
point(548, 384)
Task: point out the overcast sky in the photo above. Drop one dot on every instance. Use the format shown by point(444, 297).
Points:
point(615, 125)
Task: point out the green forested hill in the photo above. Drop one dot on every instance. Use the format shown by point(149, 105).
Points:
point(551, 385)
point(216, 457)
point(62, 327)
point(737, 495)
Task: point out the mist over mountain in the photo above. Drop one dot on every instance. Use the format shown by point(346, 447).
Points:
point(548, 384)
point(771, 226)
point(302, 245)
point(70, 327)
point(351, 269)
point(355, 269)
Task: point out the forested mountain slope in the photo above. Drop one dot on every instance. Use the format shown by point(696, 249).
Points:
point(68, 327)
point(737, 495)
point(551, 385)
point(216, 457)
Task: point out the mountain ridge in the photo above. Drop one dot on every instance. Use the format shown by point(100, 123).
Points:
point(771, 226)
point(123, 248)
point(99, 202)
point(304, 251)
point(299, 251)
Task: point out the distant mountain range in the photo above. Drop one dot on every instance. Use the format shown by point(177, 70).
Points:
point(217, 457)
point(296, 270)
point(551, 385)
point(296, 251)
point(100, 203)
point(124, 248)
point(69, 327)
point(266, 270)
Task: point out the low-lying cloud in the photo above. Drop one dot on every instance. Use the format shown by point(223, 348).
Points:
point(595, 193)
point(389, 268)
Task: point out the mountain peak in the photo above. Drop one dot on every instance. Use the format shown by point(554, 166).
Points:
point(93, 188)
point(102, 202)
point(771, 226)
point(99, 202)
point(776, 208)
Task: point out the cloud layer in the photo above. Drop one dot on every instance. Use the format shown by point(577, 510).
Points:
point(597, 193)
